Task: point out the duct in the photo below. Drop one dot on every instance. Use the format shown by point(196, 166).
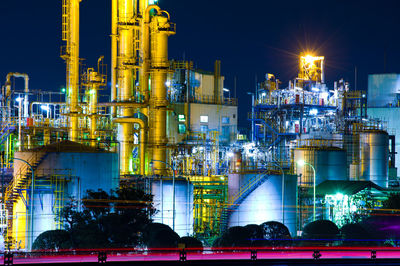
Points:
point(143, 129)
point(8, 86)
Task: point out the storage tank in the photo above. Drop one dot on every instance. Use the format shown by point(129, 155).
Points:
point(162, 190)
point(374, 156)
point(329, 164)
point(351, 144)
point(264, 203)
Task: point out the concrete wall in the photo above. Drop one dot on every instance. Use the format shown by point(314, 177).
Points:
point(215, 115)
point(206, 88)
point(265, 203)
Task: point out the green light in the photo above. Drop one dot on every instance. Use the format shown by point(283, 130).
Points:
point(152, 2)
point(17, 143)
point(339, 196)
point(181, 129)
point(181, 118)
point(63, 90)
point(98, 139)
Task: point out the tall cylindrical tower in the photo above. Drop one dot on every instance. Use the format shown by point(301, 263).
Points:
point(161, 29)
point(126, 79)
point(70, 34)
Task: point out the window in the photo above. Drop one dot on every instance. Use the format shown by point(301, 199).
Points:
point(203, 128)
point(182, 129)
point(234, 116)
point(225, 120)
point(181, 118)
point(204, 119)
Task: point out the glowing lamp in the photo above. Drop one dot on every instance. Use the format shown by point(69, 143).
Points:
point(19, 99)
point(301, 162)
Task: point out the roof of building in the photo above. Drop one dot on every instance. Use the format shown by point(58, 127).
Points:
point(66, 146)
point(331, 187)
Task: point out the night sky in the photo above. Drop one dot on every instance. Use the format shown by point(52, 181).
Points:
point(251, 38)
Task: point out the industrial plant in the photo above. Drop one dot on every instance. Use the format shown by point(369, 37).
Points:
point(314, 149)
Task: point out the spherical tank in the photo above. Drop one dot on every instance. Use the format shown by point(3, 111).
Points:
point(329, 164)
point(374, 152)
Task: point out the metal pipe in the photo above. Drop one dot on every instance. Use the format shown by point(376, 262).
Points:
point(142, 142)
point(26, 90)
point(71, 56)
point(114, 54)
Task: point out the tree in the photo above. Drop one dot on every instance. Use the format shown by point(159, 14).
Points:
point(275, 234)
point(321, 232)
point(109, 220)
point(156, 235)
point(52, 240)
point(356, 235)
point(392, 203)
point(191, 242)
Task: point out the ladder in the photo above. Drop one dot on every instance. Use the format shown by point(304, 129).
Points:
point(65, 19)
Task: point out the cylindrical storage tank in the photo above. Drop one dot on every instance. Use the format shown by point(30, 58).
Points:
point(374, 156)
point(329, 164)
point(162, 190)
point(351, 144)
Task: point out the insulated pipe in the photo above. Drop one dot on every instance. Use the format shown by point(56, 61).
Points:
point(72, 61)
point(8, 86)
point(114, 54)
point(142, 142)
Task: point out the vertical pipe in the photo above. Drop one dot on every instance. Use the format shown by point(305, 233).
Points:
point(126, 79)
point(114, 53)
point(72, 61)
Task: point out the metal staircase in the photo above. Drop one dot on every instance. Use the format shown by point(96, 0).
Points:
point(5, 131)
point(241, 195)
point(20, 182)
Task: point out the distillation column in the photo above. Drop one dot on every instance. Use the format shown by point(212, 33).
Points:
point(70, 34)
point(161, 29)
point(126, 79)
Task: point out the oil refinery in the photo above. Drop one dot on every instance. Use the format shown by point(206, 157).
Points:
point(172, 129)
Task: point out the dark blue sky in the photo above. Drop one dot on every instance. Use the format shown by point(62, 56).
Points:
point(249, 37)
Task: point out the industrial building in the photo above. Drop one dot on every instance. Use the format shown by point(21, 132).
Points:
point(174, 128)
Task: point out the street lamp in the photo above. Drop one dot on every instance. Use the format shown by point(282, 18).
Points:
point(31, 206)
point(173, 190)
point(302, 163)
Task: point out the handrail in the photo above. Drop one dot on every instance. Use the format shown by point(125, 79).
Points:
point(249, 184)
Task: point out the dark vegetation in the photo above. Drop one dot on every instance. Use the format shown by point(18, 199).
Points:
point(122, 220)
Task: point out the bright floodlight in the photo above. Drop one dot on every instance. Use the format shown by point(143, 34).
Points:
point(45, 107)
point(301, 162)
point(19, 99)
point(225, 89)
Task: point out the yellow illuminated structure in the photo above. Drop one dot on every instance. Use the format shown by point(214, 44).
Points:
point(70, 53)
point(140, 32)
point(312, 68)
